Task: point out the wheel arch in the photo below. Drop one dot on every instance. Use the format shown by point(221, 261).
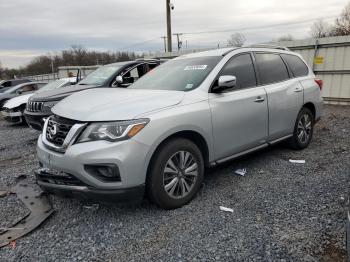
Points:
point(191, 135)
point(311, 107)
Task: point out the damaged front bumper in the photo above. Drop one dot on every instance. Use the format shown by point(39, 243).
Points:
point(64, 184)
point(12, 116)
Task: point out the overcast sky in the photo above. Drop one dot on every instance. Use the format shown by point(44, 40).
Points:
point(31, 28)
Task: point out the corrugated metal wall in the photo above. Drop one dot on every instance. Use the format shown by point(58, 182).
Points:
point(332, 64)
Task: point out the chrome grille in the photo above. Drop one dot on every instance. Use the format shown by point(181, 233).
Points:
point(35, 106)
point(57, 130)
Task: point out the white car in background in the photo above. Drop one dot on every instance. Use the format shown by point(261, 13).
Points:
point(12, 110)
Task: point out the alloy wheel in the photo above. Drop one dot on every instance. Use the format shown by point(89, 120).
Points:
point(304, 128)
point(180, 174)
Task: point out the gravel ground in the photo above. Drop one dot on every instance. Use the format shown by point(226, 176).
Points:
point(282, 211)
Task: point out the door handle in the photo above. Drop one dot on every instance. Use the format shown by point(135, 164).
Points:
point(259, 99)
point(298, 90)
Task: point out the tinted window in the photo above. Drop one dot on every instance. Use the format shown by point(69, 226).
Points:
point(151, 66)
point(7, 84)
point(295, 64)
point(271, 68)
point(242, 68)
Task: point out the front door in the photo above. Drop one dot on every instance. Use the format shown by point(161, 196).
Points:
point(240, 115)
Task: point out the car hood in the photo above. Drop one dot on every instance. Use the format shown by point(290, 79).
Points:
point(106, 104)
point(17, 101)
point(58, 94)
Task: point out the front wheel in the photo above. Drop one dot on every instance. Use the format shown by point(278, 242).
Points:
point(176, 174)
point(303, 130)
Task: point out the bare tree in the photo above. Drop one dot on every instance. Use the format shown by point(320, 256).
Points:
point(288, 37)
point(320, 29)
point(76, 55)
point(342, 24)
point(237, 39)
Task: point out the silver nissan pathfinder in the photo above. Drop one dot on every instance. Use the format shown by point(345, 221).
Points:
point(157, 137)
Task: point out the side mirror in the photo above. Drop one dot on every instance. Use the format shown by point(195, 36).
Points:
point(225, 82)
point(19, 92)
point(119, 80)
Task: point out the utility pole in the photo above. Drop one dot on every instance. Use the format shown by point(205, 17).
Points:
point(179, 43)
point(169, 6)
point(164, 39)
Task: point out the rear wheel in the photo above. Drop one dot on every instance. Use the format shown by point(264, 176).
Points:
point(303, 130)
point(176, 174)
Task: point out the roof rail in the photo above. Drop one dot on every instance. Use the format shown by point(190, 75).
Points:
point(269, 46)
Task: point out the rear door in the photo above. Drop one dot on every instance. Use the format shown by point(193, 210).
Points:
point(240, 115)
point(284, 93)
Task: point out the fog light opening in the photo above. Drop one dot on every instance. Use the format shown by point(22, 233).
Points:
point(104, 172)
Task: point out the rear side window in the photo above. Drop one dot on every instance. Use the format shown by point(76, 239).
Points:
point(242, 68)
point(296, 65)
point(272, 69)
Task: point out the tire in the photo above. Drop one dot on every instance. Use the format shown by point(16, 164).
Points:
point(2, 103)
point(303, 130)
point(24, 121)
point(169, 186)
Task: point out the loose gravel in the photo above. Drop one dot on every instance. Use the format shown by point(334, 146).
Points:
point(282, 211)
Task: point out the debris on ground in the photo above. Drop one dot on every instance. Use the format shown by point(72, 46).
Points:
point(13, 244)
point(40, 209)
point(241, 172)
point(21, 177)
point(226, 209)
point(3, 193)
point(297, 161)
point(93, 206)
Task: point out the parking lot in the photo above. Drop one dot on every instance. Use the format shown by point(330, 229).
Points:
point(282, 211)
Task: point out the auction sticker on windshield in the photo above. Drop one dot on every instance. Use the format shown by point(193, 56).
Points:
point(196, 67)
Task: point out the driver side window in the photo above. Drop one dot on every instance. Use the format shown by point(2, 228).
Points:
point(242, 68)
point(131, 76)
point(135, 74)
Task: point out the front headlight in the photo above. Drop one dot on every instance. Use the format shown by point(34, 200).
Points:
point(112, 131)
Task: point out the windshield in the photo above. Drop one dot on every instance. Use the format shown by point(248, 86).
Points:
point(12, 89)
point(99, 76)
point(178, 75)
point(53, 85)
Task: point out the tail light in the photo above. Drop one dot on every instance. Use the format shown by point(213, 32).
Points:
point(319, 82)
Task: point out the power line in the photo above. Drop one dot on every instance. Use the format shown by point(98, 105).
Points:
point(235, 30)
point(256, 27)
